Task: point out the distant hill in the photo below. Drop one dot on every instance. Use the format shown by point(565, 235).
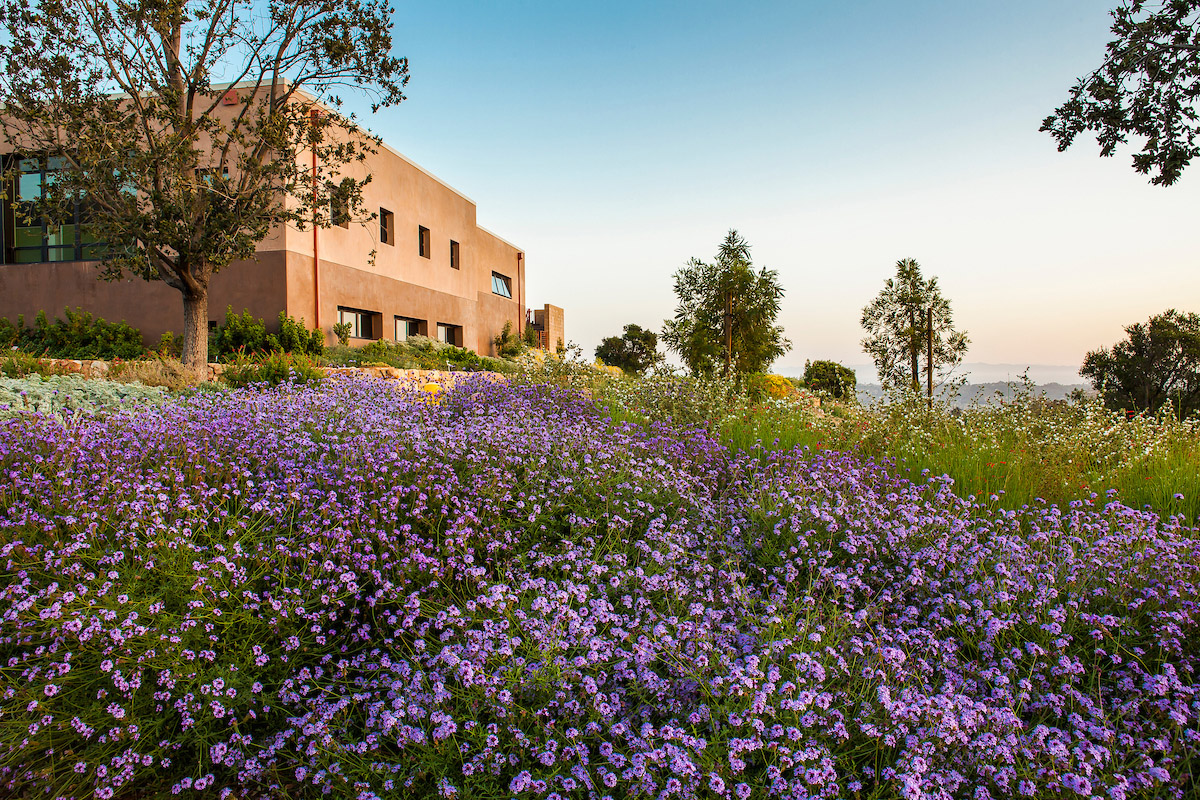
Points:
point(987, 392)
point(975, 371)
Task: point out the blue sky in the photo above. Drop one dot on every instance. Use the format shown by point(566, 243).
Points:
point(614, 141)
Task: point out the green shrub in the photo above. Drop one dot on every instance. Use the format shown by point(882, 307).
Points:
point(18, 365)
point(241, 334)
point(10, 333)
point(244, 334)
point(508, 344)
point(342, 331)
point(391, 354)
point(501, 365)
point(830, 378)
point(418, 352)
point(295, 338)
point(170, 345)
point(78, 336)
point(271, 369)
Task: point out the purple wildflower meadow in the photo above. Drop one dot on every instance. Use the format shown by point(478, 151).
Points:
point(348, 590)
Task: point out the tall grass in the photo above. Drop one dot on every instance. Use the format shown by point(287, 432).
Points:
point(1014, 453)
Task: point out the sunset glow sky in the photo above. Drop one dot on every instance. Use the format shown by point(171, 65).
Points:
point(613, 141)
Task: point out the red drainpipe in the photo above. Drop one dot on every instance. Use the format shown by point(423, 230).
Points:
point(314, 114)
point(520, 295)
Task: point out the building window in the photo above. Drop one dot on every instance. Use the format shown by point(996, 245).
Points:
point(387, 227)
point(423, 241)
point(339, 202)
point(207, 176)
point(501, 285)
point(450, 334)
point(406, 327)
point(28, 237)
point(454, 262)
point(363, 324)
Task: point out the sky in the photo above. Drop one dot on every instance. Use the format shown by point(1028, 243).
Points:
point(614, 141)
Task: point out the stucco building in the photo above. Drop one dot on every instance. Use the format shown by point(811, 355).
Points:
point(434, 271)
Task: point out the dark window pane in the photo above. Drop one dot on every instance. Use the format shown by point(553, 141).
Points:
point(27, 256)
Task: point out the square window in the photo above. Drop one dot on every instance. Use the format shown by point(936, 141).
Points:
point(387, 227)
point(406, 327)
point(450, 334)
point(423, 241)
point(454, 262)
point(363, 324)
point(501, 285)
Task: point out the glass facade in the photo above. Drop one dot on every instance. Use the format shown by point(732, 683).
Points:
point(29, 238)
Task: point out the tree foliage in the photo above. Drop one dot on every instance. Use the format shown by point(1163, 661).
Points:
point(635, 351)
point(179, 175)
point(837, 381)
point(725, 319)
point(1158, 362)
point(897, 328)
point(507, 343)
point(1147, 87)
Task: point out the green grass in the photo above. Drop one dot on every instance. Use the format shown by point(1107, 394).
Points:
point(1020, 452)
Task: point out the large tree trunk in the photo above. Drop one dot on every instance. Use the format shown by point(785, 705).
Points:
point(195, 330)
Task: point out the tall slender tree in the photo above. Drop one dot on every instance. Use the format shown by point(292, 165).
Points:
point(725, 319)
point(898, 332)
point(129, 105)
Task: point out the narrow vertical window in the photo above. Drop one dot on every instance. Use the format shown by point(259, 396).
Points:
point(454, 262)
point(423, 241)
point(339, 203)
point(387, 227)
